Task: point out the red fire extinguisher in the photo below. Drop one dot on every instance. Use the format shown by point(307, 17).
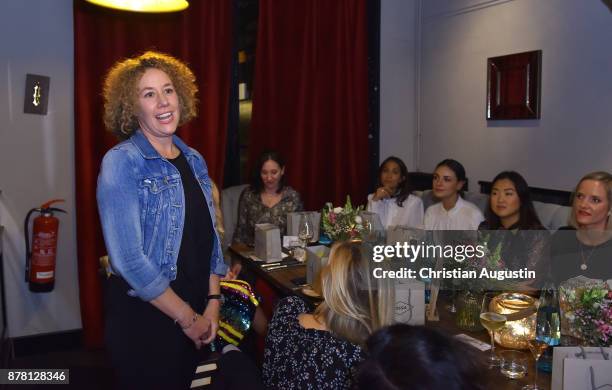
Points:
point(40, 259)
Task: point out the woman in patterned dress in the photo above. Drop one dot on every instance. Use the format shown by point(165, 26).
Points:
point(266, 200)
point(320, 349)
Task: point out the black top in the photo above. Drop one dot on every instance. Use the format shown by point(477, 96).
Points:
point(193, 263)
point(299, 358)
point(568, 255)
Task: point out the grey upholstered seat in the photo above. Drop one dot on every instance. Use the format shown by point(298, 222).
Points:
point(229, 206)
point(552, 216)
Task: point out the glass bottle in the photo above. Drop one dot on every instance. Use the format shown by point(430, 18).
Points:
point(548, 317)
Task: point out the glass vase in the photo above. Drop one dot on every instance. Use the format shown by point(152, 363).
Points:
point(468, 311)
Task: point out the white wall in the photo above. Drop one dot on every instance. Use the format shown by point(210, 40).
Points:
point(37, 157)
point(398, 74)
point(574, 134)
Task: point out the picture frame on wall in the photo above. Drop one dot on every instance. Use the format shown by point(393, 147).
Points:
point(513, 86)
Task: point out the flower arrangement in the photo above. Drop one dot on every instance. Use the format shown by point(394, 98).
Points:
point(491, 260)
point(342, 223)
point(587, 314)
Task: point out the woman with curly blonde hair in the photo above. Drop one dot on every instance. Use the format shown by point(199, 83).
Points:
point(158, 220)
point(121, 84)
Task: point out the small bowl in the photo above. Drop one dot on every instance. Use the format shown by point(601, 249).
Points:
point(513, 363)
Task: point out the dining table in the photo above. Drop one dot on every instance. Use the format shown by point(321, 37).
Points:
point(288, 277)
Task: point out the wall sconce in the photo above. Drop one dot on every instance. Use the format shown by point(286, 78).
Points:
point(36, 94)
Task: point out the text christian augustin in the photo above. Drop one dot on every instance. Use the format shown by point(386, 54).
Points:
point(459, 253)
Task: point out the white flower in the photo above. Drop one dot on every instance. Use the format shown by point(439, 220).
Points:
point(337, 210)
point(358, 219)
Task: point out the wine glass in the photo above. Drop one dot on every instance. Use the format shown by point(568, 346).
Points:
point(367, 229)
point(537, 346)
point(492, 321)
point(452, 306)
point(305, 230)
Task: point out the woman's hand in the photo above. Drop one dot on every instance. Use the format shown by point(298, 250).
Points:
point(381, 193)
point(195, 327)
point(211, 316)
point(233, 271)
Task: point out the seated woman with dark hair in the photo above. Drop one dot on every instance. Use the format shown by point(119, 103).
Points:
point(519, 234)
point(266, 200)
point(452, 212)
point(402, 357)
point(392, 200)
point(319, 350)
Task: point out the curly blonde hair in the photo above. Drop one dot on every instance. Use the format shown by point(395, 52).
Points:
point(120, 90)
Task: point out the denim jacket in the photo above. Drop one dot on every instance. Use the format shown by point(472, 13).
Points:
point(142, 211)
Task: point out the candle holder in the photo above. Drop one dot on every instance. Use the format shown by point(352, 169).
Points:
point(520, 310)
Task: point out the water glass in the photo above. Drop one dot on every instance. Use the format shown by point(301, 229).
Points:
point(513, 364)
point(297, 250)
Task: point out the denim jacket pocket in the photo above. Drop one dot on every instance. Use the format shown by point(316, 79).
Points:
point(156, 194)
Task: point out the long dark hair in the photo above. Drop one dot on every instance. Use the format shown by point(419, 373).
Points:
point(404, 187)
point(415, 357)
point(457, 169)
point(528, 218)
point(256, 182)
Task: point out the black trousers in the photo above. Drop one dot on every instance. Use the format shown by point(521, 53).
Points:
point(237, 372)
point(147, 349)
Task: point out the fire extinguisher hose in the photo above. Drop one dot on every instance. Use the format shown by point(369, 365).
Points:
point(27, 243)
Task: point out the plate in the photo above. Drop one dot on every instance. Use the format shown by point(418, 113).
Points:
point(310, 292)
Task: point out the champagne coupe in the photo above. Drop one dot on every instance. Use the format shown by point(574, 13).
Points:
point(537, 346)
point(491, 321)
point(305, 230)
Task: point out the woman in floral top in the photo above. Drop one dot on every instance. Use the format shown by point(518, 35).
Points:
point(266, 200)
point(513, 225)
point(321, 350)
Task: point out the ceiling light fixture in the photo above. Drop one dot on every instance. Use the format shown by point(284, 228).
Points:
point(152, 6)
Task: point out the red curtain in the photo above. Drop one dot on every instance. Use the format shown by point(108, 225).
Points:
point(310, 96)
point(201, 36)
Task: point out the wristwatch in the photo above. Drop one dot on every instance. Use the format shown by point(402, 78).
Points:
point(216, 296)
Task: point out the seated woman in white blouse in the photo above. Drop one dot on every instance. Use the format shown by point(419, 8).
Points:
point(392, 200)
point(452, 212)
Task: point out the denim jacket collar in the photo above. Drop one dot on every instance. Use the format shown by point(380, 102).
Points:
point(148, 151)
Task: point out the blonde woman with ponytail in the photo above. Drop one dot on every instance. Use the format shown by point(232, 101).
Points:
point(321, 349)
